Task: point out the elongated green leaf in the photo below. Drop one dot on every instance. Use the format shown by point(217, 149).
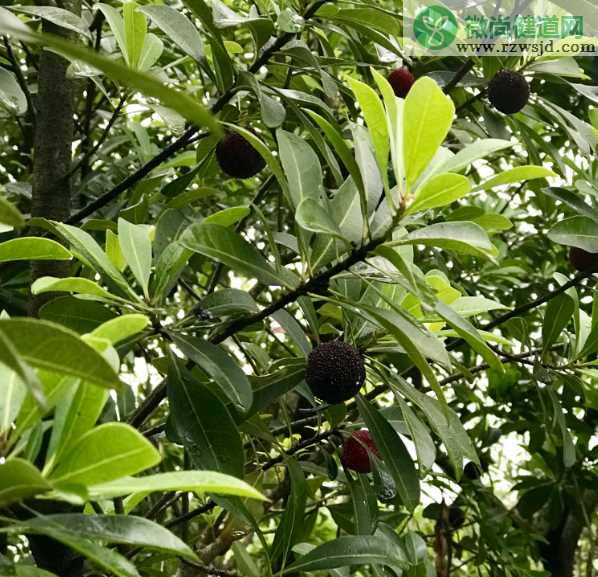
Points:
point(32, 248)
point(184, 104)
point(107, 559)
point(117, 26)
point(122, 327)
point(579, 231)
point(312, 216)
point(226, 246)
point(556, 317)
point(12, 395)
point(73, 417)
point(573, 199)
point(221, 367)
point(178, 28)
point(49, 346)
point(393, 453)
point(105, 453)
point(11, 359)
point(438, 191)
point(10, 214)
point(199, 482)
point(301, 166)
point(516, 174)
point(14, 101)
point(424, 444)
point(290, 528)
point(443, 420)
point(135, 29)
point(136, 247)
point(228, 216)
point(204, 425)
point(58, 16)
point(78, 285)
point(19, 480)
point(428, 116)
point(125, 529)
point(469, 333)
point(375, 118)
point(351, 550)
point(464, 237)
point(478, 149)
point(90, 252)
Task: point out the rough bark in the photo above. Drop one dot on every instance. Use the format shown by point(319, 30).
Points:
point(559, 552)
point(51, 195)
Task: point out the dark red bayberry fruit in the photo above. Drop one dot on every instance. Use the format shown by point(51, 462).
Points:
point(508, 91)
point(456, 516)
point(582, 260)
point(237, 157)
point(356, 451)
point(335, 372)
point(401, 81)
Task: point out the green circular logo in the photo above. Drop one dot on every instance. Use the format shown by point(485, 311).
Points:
point(435, 27)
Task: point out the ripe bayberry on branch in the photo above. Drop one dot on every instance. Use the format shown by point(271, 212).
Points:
point(237, 157)
point(401, 81)
point(508, 91)
point(582, 260)
point(355, 455)
point(335, 371)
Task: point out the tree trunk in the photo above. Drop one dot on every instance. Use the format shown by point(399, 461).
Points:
point(51, 195)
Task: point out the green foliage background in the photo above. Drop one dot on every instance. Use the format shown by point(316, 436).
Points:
point(154, 416)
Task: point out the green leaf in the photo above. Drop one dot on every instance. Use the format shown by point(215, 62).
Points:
point(579, 231)
point(516, 174)
point(169, 267)
point(312, 216)
point(74, 416)
point(199, 482)
point(178, 28)
point(9, 213)
point(105, 453)
point(351, 550)
point(13, 101)
point(78, 285)
point(474, 151)
point(439, 190)
point(79, 315)
point(20, 480)
point(107, 559)
point(59, 16)
point(443, 420)
point(204, 425)
point(428, 116)
point(11, 399)
point(375, 118)
point(121, 328)
point(463, 237)
point(424, 444)
point(228, 216)
point(32, 248)
point(225, 372)
point(126, 530)
point(556, 317)
point(301, 166)
point(10, 358)
point(393, 453)
point(49, 346)
point(89, 251)
point(290, 527)
point(226, 246)
point(135, 29)
point(136, 247)
point(468, 333)
point(572, 199)
point(187, 106)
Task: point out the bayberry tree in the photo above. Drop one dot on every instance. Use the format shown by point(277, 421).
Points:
point(278, 298)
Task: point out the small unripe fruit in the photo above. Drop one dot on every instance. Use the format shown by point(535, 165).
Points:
point(335, 372)
point(401, 81)
point(237, 157)
point(582, 260)
point(355, 455)
point(508, 91)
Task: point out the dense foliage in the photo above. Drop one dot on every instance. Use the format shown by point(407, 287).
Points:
point(234, 235)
